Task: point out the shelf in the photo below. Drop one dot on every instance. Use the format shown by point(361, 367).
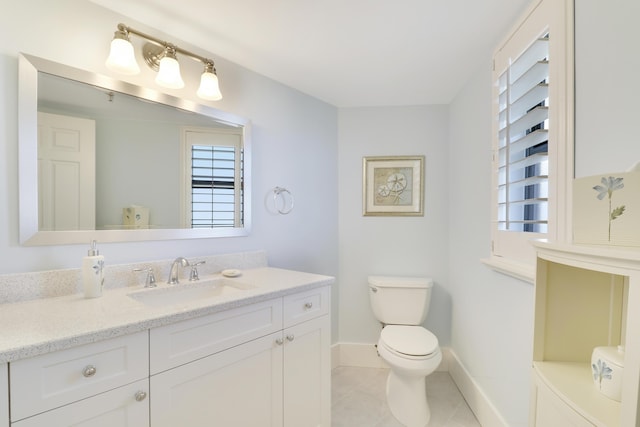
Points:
point(573, 383)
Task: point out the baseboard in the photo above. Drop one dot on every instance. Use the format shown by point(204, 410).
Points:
point(366, 356)
point(482, 408)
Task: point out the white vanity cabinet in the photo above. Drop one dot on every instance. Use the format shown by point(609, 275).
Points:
point(260, 360)
point(585, 297)
point(4, 395)
point(103, 383)
point(267, 365)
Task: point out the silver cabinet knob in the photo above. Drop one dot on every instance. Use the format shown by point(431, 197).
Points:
point(140, 395)
point(89, 371)
point(308, 305)
point(290, 337)
point(279, 341)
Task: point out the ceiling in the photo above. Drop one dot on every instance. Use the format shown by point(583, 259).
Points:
point(345, 52)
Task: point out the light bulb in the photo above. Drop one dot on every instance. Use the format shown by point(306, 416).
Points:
point(169, 71)
point(121, 56)
point(209, 88)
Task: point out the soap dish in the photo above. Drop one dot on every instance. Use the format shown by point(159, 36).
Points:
point(231, 272)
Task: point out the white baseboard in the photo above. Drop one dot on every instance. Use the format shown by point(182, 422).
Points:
point(366, 356)
point(482, 408)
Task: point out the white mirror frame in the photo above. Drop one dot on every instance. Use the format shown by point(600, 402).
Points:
point(30, 235)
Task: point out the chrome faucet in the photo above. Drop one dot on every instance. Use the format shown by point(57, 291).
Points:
point(175, 270)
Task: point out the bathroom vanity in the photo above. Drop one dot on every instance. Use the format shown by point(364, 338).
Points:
point(585, 297)
point(137, 357)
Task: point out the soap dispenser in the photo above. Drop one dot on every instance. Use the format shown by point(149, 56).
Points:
point(93, 272)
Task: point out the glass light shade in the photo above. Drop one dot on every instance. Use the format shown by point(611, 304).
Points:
point(122, 58)
point(209, 88)
point(169, 74)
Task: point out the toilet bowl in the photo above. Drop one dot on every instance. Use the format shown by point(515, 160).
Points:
point(412, 353)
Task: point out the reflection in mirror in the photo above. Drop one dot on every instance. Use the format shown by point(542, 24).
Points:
point(115, 162)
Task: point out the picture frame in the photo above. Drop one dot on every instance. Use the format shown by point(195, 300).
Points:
point(393, 186)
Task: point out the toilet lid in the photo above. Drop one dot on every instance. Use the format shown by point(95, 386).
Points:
point(409, 340)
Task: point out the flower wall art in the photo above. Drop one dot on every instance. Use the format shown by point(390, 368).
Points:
point(606, 209)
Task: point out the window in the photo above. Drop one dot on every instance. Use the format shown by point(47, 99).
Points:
point(523, 141)
point(533, 132)
point(212, 178)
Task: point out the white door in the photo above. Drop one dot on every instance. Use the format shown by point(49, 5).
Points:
point(307, 374)
point(66, 172)
point(241, 386)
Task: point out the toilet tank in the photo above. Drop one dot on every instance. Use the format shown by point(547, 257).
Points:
point(400, 300)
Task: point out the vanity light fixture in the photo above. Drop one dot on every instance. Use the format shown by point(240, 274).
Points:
point(160, 56)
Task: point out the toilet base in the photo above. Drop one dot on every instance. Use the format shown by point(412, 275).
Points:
point(407, 399)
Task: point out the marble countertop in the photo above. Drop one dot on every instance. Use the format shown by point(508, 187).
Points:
point(40, 326)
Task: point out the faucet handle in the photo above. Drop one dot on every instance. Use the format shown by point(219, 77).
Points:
point(193, 276)
point(150, 280)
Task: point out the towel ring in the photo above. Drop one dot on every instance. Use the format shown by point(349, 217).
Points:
point(278, 194)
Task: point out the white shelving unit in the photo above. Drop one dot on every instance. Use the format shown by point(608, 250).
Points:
point(585, 296)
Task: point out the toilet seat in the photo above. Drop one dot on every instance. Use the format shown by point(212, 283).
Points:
point(414, 342)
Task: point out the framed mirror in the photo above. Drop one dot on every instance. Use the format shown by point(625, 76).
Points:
point(107, 160)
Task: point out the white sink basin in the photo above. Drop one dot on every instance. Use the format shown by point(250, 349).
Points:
point(188, 292)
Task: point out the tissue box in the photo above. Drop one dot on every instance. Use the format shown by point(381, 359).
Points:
point(607, 366)
point(606, 209)
point(135, 217)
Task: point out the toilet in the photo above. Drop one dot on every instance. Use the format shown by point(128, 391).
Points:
point(411, 351)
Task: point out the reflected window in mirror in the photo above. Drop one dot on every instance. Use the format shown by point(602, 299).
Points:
point(212, 178)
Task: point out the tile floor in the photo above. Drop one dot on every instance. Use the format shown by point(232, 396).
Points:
point(358, 400)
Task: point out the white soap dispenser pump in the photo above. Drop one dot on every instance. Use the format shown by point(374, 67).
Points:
point(93, 272)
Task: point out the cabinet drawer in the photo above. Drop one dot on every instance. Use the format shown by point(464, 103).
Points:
point(127, 406)
point(52, 380)
point(180, 343)
point(306, 305)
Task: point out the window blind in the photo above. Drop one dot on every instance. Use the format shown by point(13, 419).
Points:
point(213, 188)
point(523, 108)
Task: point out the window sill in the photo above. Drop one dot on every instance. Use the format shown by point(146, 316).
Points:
point(514, 269)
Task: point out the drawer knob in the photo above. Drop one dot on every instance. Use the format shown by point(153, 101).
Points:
point(290, 337)
point(308, 305)
point(141, 395)
point(279, 341)
point(89, 371)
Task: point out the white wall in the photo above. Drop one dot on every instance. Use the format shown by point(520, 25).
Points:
point(409, 246)
point(294, 145)
point(607, 86)
point(492, 315)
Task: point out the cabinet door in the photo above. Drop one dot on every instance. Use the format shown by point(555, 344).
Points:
point(241, 386)
point(550, 410)
point(4, 395)
point(307, 374)
point(126, 406)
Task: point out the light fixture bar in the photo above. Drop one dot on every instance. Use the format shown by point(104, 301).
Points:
point(163, 43)
point(161, 57)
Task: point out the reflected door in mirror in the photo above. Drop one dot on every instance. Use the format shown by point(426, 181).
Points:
point(66, 172)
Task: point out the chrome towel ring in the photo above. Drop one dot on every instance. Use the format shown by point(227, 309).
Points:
point(283, 200)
